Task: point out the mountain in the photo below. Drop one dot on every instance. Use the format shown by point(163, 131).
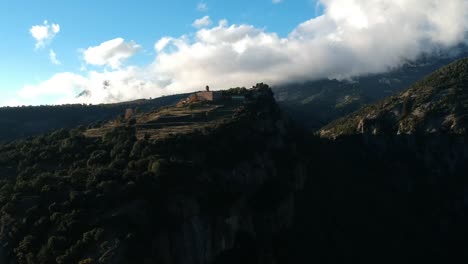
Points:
point(207, 182)
point(389, 181)
point(231, 181)
point(435, 104)
point(25, 121)
point(316, 103)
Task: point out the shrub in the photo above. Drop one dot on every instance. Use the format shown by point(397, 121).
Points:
point(158, 166)
point(98, 157)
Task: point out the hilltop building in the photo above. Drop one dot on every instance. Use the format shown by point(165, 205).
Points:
point(208, 96)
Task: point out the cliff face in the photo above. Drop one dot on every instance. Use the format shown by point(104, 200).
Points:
point(223, 193)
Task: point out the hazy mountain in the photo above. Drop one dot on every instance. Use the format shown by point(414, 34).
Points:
point(435, 104)
point(316, 103)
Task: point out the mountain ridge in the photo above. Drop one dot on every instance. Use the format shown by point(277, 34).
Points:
point(436, 104)
point(314, 104)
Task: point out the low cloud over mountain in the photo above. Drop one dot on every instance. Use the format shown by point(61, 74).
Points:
point(350, 38)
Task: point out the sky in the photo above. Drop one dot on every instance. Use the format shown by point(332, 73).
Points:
point(56, 52)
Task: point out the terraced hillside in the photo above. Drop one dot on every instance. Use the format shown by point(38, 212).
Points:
point(172, 120)
point(25, 121)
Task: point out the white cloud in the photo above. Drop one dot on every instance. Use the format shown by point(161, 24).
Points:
point(202, 22)
point(12, 103)
point(202, 7)
point(61, 84)
point(162, 43)
point(276, 1)
point(130, 82)
point(111, 53)
point(44, 33)
point(55, 28)
point(53, 57)
point(352, 37)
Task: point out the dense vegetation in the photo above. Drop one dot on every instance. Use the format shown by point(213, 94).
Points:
point(66, 198)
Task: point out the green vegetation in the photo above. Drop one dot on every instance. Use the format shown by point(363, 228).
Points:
point(236, 91)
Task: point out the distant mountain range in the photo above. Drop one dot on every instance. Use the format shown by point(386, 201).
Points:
point(435, 104)
point(316, 103)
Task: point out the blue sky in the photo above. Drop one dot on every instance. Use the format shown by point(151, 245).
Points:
point(152, 48)
point(88, 23)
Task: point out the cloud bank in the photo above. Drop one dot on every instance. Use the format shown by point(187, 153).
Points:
point(351, 38)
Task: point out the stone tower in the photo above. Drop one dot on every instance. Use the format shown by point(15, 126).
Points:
point(129, 113)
